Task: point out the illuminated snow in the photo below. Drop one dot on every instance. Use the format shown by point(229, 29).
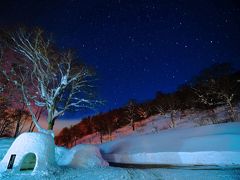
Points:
point(207, 145)
point(65, 157)
point(80, 156)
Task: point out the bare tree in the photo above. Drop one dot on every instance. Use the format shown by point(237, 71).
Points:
point(159, 109)
point(6, 124)
point(143, 112)
point(20, 117)
point(217, 85)
point(171, 104)
point(172, 123)
point(131, 113)
point(15, 104)
point(57, 84)
point(218, 92)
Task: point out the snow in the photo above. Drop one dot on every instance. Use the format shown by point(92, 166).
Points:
point(68, 157)
point(42, 145)
point(47, 155)
point(64, 80)
point(207, 145)
point(5, 143)
point(80, 156)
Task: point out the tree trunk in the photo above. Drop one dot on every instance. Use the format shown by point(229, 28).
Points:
point(133, 126)
point(101, 137)
point(19, 120)
point(231, 111)
point(50, 125)
point(173, 120)
point(51, 121)
point(38, 115)
point(31, 128)
point(17, 127)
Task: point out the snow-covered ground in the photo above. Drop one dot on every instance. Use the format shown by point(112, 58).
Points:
point(216, 139)
point(111, 173)
point(5, 143)
point(217, 144)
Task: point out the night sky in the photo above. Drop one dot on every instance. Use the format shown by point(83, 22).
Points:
point(138, 47)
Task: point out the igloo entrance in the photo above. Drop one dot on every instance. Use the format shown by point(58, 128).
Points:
point(28, 162)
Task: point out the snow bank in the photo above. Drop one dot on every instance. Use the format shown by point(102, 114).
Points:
point(80, 156)
point(207, 145)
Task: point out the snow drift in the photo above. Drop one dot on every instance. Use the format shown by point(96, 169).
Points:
point(80, 156)
point(207, 145)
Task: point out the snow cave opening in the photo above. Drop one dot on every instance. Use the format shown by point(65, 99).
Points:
point(28, 162)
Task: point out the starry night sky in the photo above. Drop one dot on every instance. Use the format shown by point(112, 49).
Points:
point(138, 47)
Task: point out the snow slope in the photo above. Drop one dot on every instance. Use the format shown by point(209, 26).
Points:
point(154, 124)
point(207, 145)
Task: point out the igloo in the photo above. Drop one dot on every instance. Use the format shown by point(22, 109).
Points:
point(30, 151)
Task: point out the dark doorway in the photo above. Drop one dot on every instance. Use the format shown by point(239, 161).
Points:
point(28, 162)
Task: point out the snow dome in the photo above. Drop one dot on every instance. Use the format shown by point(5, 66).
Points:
point(30, 151)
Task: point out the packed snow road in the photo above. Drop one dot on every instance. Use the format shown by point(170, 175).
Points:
point(109, 173)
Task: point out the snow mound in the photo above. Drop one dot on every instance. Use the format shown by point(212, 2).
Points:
point(207, 145)
point(80, 156)
point(34, 151)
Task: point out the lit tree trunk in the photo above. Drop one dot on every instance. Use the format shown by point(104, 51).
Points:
point(231, 110)
point(173, 123)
